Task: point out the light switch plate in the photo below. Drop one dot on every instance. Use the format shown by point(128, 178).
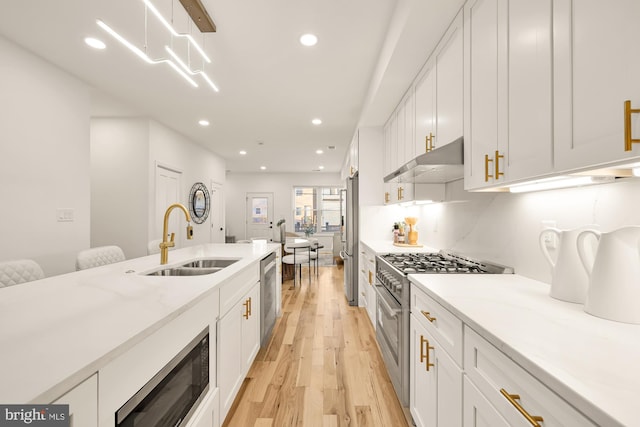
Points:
point(65, 215)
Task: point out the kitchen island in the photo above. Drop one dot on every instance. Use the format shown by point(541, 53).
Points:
point(588, 362)
point(56, 332)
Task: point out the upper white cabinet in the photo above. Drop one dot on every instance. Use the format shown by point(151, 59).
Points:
point(449, 84)
point(596, 70)
point(508, 91)
point(425, 119)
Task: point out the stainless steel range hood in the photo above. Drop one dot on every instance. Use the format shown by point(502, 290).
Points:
point(441, 165)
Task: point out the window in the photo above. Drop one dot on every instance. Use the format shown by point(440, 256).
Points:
point(317, 208)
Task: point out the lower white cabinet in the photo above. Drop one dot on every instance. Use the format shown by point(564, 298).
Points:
point(435, 397)
point(366, 282)
point(83, 403)
point(477, 411)
point(238, 345)
point(515, 393)
point(207, 413)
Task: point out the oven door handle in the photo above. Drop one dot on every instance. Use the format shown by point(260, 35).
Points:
point(385, 304)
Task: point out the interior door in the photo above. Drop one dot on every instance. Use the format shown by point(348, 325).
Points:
point(217, 214)
point(168, 184)
point(260, 216)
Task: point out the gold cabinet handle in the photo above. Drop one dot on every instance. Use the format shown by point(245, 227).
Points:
point(246, 309)
point(386, 197)
point(250, 306)
point(428, 316)
point(424, 352)
point(370, 278)
point(428, 142)
point(513, 399)
point(400, 193)
point(486, 168)
point(498, 157)
point(628, 140)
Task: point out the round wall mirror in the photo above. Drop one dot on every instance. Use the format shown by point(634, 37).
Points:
point(199, 203)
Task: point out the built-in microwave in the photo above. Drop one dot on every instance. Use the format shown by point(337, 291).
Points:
point(172, 395)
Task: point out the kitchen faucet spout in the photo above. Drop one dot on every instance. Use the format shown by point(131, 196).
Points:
point(165, 245)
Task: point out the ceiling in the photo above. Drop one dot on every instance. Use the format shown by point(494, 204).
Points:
point(271, 86)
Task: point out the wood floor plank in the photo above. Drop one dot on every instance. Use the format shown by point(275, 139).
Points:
point(322, 366)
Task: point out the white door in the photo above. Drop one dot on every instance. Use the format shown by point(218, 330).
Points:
point(260, 216)
point(168, 184)
point(217, 214)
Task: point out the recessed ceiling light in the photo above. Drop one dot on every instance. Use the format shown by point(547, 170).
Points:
point(203, 122)
point(95, 43)
point(316, 121)
point(308, 39)
point(319, 151)
point(263, 167)
point(242, 152)
point(320, 167)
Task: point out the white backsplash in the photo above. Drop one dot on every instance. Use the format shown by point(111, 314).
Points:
point(504, 227)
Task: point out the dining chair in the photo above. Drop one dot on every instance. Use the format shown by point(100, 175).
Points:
point(300, 253)
point(19, 271)
point(95, 257)
point(315, 254)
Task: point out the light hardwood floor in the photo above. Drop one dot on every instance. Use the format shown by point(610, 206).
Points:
point(322, 366)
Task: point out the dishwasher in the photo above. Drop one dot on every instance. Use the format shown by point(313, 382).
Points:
point(268, 290)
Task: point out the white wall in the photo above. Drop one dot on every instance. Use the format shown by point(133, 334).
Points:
point(281, 185)
point(119, 185)
point(44, 161)
point(504, 227)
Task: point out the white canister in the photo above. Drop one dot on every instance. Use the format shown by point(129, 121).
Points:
point(569, 280)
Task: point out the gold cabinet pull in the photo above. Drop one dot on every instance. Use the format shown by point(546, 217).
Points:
point(250, 306)
point(428, 141)
point(386, 197)
point(428, 316)
point(246, 309)
point(486, 168)
point(628, 140)
point(513, 399)
point(370, 278)
point(424, 352)
point(400, 193)
point(498, 157)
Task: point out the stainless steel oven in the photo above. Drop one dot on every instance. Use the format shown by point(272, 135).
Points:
point(389, 334)
point(172, 395)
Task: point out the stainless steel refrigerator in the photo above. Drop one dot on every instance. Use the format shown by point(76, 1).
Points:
point(349, 253)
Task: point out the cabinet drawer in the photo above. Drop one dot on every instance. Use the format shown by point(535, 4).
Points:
point(492, 371)
point(444, 326)
point(236, 287)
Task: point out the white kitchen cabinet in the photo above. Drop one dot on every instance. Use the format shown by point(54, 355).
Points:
point(508, 91)
point(238, 343)
point(425, 114)
point(499, 380)
point(367, 281)
point(83, 403)
point(207, 413)
point(596, 59)
point(408, 141)
point(449, 57)
point(435, 395)
point(476, 409)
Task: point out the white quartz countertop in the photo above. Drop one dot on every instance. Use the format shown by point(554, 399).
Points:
point(58, 331)
point(387, 247)
point(592, 363)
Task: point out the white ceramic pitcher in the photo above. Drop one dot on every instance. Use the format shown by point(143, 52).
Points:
point(569, 280)
point(614, 275)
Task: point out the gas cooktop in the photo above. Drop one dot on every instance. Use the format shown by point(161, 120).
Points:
point(441, 262)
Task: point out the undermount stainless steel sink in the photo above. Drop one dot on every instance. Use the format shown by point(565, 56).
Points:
point(198, 267)
point(185, 271)
point(211, 263)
